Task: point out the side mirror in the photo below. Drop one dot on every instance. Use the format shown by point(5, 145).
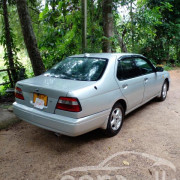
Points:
point(159, 69)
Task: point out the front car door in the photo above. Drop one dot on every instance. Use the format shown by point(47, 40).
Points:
point(130, 82)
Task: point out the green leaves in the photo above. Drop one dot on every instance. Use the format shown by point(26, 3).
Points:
point(166, 6)
point(155, 27)
point(61, 31)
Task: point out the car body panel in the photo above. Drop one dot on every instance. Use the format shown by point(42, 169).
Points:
point(152, 85)
point(58, 123)
point(133, 91)
point(50, 86)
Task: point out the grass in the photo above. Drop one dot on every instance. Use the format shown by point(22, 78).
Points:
point(8, 123)
point(1, 67)
point(2, 91)
point(168, 68)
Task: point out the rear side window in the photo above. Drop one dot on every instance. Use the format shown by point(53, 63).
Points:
point(144, 66)
point(127, 69)
point(79, 68)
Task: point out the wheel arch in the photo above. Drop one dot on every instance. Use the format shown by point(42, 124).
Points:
point(123, 103)
point(167, 80)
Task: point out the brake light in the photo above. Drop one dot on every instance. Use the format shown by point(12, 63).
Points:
point(68, 104)
point(18, 93)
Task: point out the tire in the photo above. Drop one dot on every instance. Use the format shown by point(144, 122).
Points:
point(115, 120)
point(163, 92)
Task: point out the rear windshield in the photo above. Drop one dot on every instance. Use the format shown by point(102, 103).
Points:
point(82, 69)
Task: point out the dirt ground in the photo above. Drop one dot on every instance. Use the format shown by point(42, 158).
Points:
point(147, 147)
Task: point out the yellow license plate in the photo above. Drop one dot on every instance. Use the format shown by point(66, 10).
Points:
point(40, 96)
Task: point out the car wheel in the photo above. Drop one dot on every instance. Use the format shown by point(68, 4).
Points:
point(115, 120)
point(163, 91)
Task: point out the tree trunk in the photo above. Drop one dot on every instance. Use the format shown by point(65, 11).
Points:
point(9, 42)
point(120, 41)
point(29, 37)
point(107, 24)
point(167, 49)
point(84, 25)
point(177, 53)
point(132, 25)
point(91, 14)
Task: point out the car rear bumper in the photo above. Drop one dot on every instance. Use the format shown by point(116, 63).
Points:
point(61, 124)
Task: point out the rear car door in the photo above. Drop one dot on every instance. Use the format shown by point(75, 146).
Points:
point(130, 82)
point(149, 76)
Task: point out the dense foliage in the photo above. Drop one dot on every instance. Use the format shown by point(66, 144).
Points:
point(146, 26)
point(61, 34)
point(149, 27)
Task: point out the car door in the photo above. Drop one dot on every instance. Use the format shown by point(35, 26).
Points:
point(149, 76)
point(130, 82)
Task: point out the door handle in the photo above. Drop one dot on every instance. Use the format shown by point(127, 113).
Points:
point(146, 79)
point(124, 86)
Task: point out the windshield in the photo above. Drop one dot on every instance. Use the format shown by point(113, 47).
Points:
point(76, 68)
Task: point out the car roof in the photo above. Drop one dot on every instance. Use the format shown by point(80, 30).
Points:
point(106, 55)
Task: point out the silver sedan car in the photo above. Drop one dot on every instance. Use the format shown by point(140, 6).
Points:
point(89, 91)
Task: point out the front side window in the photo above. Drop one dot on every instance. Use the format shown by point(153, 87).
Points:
point(127, 69)
point(79, 68)
point(144, 66)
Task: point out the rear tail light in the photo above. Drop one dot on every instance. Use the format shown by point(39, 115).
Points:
point(18, 93)
point(68, 104)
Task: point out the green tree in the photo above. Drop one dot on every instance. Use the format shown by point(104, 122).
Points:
point(167, 32)
point(7, 41)
point(29, 37)
point(107, 17)
point(65, 38)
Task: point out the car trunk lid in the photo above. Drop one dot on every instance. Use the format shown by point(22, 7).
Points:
point(51, 87)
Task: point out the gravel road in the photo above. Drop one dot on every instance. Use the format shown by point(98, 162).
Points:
point(148, 147)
